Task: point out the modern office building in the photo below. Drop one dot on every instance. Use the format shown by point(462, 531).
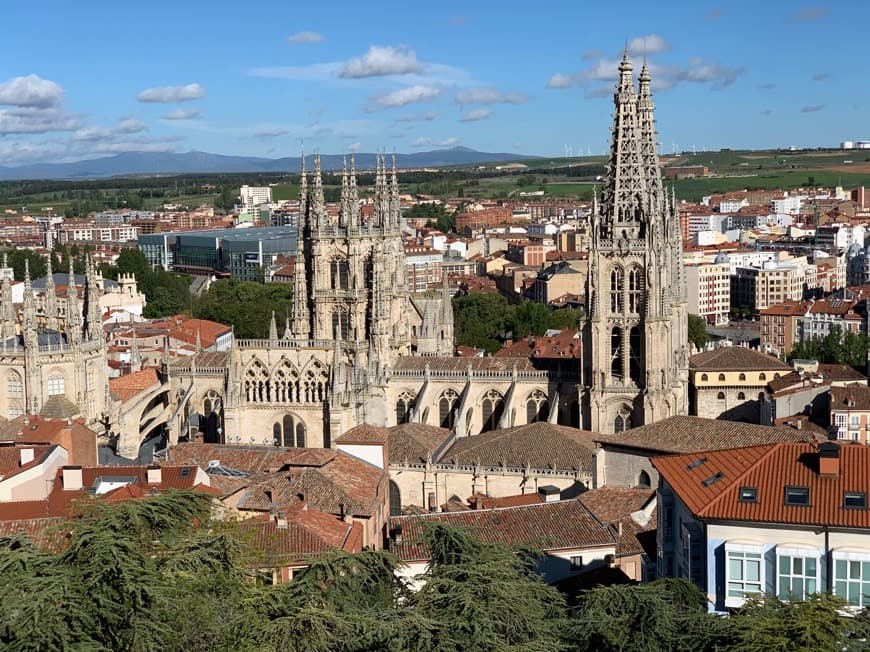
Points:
point(237, 253)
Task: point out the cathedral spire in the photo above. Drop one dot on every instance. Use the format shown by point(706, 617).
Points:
point(73, 309)
point(50, 298)
point(395, 211)
point(319, 205)
point(648, 138)
point(624, 200)
point(28, 310)
point(344, 212)
point(273, 328)
point(353, 196)
point(95, 312)
point(338, 376)
point(7, 308)
point(288, 334)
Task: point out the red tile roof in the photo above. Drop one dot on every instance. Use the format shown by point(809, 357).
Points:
point(736, 358)
point(770, 469)
point(129, 386)
point(559, 525)
point(363, 434)
point(307, 533)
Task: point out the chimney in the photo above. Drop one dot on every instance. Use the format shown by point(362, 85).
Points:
point(25, 455)
point(829, 460)
point(72, 478)
point(549, 493)
point(345, 513)
point(281, 520)
point(155, 474)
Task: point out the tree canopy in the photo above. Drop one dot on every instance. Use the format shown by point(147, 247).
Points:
point(836, 347)
point(161, 574)
point(698, 332)
point(246, 306)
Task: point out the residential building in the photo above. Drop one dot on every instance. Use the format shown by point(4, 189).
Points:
point(850, 413)
point(824, 315)
point(788, 519)
point(708, 288)
point(556, 281)
point(781, 326)
point(756, 288)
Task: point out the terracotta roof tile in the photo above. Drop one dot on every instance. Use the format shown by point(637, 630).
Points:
point(462, 364)
point(549, 526)
point(129, 386)
point(684, 434)
point(540, 445)
point(736, 358)
point(853, 397)
point(770, 469)
point(307, 533)
point(415, 442)
point(364, 434)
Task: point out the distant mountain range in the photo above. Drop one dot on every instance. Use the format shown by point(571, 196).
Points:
point(151, 163)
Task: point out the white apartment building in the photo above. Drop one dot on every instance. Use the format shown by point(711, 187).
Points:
point(790, 204)
point(253, 196)
point(709, 291)
point(757, 288)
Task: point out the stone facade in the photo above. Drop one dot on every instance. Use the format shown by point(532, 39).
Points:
point(635, 342)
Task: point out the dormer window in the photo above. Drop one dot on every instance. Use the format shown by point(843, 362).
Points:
point(855, 500)
point(799, 496)
point(748, 495)
point(713, 479)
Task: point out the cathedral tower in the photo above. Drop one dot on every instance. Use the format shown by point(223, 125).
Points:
point(635, 337)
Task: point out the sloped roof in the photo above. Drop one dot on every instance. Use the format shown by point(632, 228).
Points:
point(540, 445)
point(550, 526)
point(415, 442)
point(307, 533)
point(59, 407)
point(363, 434)
point(770, 469)
point(736, 358)
point(685, 434)
point(853, 397)
point(614, 506)
point(130, 385)
point(462, 364)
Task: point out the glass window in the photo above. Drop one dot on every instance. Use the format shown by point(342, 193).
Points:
point(855, 500)
point(576, 563)
point(748, 494)
point(55, 385)
point(797, 577)
point(15, 387)
point(797, 495)
point(852, 581)
point(745, 574)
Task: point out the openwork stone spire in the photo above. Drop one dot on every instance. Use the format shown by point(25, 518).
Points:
point(625, 202)
point(318, 205)
point(301, 320)
point(7, 308)
point(51, 322)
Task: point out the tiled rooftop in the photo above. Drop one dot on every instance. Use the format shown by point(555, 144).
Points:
point(415, 442)
point(129, 386)
point(736, 358)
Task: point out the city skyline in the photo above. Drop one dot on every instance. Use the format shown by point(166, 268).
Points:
point(81, 84)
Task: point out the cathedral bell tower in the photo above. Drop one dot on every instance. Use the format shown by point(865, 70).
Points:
point(635, 339)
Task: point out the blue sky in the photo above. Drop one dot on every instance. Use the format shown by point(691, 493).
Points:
point(91, 78)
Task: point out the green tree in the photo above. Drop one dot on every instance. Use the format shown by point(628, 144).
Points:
point(482, 320)
point(16, 259)
point(698, 332)
point(531, 319)
point(246, 306)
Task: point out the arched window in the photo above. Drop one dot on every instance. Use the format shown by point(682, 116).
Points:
point(762, 376)
point(704, 377)
point(721, 396)
point(643, 480)
point(537, 407)
point(635, 290)
point(395, 500)
point(257, 383)
point(287, 422)
point(55, 385)
point(622, 422)
point(404, 406)
point(493, 407)
point(616, 353)
point(14, 386)
point(339, 273)
point(775, 376)
point(276, 434)
point(616, 282)
point(340, 324)
point(447, 406)
point(741, 396)
point(210, 403)
point(634, 357)
point(313, 384)
point(300, 434)
point(285, 383)
point(15, 410)
point(721, 378)
point(742, 376)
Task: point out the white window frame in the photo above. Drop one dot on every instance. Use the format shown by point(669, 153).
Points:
point(745, 556)
point(56, 382)
point(843, 586)
point(798, 559)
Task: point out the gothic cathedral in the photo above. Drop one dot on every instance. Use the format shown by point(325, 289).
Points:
point(635, 351)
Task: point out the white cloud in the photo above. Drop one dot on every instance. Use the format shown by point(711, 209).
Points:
point(31, 91)
point(169, 94)
point(382, 60)
point(476, 115)
point(131, 126)
point(646, 45)
point(271, 132)
point(419, 117)
point(306, 37)
point(403, 97)
point(560, 81)
point(431, 142)
point(35, 121)
point(123, 129)
point(481, 95)
point(354, 147)
point(182, 114)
